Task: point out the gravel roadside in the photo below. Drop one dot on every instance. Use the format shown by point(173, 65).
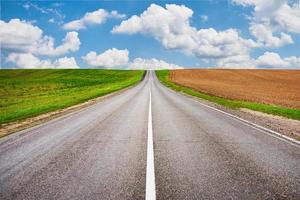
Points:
point(285, 126)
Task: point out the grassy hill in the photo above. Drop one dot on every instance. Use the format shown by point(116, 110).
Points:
point(28, 93)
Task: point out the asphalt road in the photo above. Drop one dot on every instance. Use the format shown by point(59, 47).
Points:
point(100, 152)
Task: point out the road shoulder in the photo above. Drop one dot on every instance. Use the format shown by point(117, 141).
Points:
point(282, 125)
point(12, 127)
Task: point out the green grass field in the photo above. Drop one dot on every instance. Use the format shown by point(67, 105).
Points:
point(163, 76)
point(28, 93)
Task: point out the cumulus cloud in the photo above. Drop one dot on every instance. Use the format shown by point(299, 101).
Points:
point(119, 59)
point(265, 36)
point(65, 63)
point(17, 34)
point(140, 63)
point(271, 59)
point(22, 36)
point(270, 25)
point(242, 61)
point(288, 17)
point(171, 27)
point(267, 60)
point(92, 18)
point(111, 58)
point(27, 61)
point(273, 17)
point(70, 43)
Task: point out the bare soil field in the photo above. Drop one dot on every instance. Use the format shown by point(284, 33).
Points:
point(277, 87)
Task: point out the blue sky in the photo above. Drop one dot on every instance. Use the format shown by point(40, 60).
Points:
point(164, 34)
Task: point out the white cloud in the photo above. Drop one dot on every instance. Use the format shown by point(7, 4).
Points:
point(22, 36)
point(111, 58)
point(271, 59)
point(204, 18)
point(265, 36)
point(26, 6)
point(273, 17)
point(116, 15)
point(70, 43)
point(239, 62)
point(140, 63)
point(171, 27)
point(288, 17)
point(119, 59)
point(27, 61)
point(51, 20)
point(268, 59)
point(57, 4)
point(19, 35)
point(55, 12)
point(29, 5)
point(92, 18)
point(65, 63)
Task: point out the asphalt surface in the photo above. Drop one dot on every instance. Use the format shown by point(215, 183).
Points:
point(100, 152)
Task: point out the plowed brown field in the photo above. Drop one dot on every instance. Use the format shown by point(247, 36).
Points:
point(279, 87)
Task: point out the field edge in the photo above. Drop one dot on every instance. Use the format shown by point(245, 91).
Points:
point(163, 77)
point(29, 121)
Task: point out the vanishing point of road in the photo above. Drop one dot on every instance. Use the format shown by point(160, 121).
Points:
point(148, 142)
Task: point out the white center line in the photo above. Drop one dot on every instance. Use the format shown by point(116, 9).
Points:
point(150, 176)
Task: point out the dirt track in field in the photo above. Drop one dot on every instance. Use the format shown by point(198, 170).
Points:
point(279, 87)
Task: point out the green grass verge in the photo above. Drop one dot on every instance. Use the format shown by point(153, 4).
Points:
point(163, 76)
point(28, 93)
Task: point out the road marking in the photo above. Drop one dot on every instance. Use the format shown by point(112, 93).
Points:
point(258, 127)
point(262, 129)
point(150, 176)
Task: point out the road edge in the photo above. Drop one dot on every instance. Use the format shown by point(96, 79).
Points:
point(31, 122)
point(270, 132)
